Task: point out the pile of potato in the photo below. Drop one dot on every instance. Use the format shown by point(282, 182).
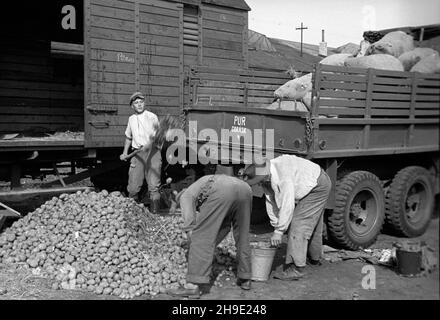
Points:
point(105, 243)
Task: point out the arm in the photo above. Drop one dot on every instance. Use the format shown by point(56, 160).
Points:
point(127, 143)
point(285, 199)
point(187, 202)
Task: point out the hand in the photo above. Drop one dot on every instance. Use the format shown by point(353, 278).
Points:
point(275, 240)
point(123, 157)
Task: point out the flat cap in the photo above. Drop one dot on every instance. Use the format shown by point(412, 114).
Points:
point(135, 96)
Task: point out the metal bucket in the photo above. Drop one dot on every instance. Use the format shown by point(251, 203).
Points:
point(409, 258)
point(262, 259)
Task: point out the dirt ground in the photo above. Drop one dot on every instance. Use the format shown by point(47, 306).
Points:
point(331, 281)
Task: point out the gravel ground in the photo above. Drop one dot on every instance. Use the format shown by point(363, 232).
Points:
point(330, 281)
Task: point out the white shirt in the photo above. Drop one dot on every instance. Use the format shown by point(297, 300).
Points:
point(141, 129)
point(291, 179)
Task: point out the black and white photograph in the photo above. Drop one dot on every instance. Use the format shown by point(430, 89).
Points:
point(218, 157)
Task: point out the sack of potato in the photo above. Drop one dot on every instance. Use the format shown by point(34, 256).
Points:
point(102, 242)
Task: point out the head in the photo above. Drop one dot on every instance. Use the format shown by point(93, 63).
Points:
point(137, 102)
point(255, 174)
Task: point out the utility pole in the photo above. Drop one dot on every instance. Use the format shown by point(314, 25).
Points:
point(302, 28)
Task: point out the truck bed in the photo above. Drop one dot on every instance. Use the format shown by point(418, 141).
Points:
point(354, 112)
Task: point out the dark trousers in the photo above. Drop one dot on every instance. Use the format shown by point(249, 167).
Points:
point(229, 204)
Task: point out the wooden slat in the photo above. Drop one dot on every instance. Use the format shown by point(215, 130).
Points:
point(48, 86)
point(12, 92)
point(111, 45)
point(226, 17)
point(111, 12)
point(342, 94)
point(19, 110)
point(112, 24)
point(391, 104)
point(419, 112)
point(213, 52)
point(111, 34)
point(222, 26)
point(342, 103)
point(392, 96)
point(429, 83)
point(422, 91)
point(427, 105)
point(343, 85)
point(428, 98)
point(391, 89)
point(389, 112)
point(222, 35)
point(344, 70)
point(222, 44)
point(261, 93)
point(340, 111)
point(151, 18)
point(344, 78)
point(128, 5)
point(393, 81)
point(221, 84)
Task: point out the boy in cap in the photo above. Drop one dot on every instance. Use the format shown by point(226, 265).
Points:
point(147, 163)
point(287, 179)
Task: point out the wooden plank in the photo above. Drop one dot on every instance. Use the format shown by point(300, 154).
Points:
point(392, 96)
point(221, 84)
point(427, 105)
point(120, 99)
point(213, 91)
point(340, 111)
point(151, 18)
point(344, 78)
point(262, 100)
point(343, 85)
point(434, 91)
point(343, 70)
point(112, 24)
point(111, 34)
point(154, 29)
point(227, 17)
point(391, 73)
point(162, 9)
point(222, 35)
point(223, 26)
point(427, 98)
point(393, 81)
point(111, 12)
point(155, 40)
point(19, 101)
point(342, 94)
point(128, 5)
point(226, 54)
point(429, 83)
point(342, 103)
point(224, 63)
point(392, 89)
point(222, 44)
point(261, 93)
point(257, 86)
point(391, 104)
point(111, 45)
point(389, 112)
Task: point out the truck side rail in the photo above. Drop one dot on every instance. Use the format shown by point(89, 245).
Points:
point(369, 111)
point(232, 88)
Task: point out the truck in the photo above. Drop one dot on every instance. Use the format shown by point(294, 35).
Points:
point(68, 68)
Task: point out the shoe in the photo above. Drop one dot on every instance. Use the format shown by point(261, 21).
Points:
point(314, 262)
point(185, 293)
point(290, 273)
point(244, 284)
point(155, 207)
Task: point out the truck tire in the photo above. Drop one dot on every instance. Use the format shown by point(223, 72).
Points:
point(359, 211)
point(410, 202)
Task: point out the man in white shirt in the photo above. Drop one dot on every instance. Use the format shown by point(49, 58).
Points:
point(287, 179)
point(146, 164)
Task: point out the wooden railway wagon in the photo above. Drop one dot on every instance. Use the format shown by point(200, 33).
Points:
point(375, 132)
point(67, 69)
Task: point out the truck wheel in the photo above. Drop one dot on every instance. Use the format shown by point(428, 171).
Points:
point(359, 209)
point(410, 202)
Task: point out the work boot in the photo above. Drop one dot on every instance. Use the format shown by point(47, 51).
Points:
point(291, 272)
point(155, 206)
point(244, 284)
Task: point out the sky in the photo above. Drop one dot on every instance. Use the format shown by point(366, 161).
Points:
point(343, 20)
